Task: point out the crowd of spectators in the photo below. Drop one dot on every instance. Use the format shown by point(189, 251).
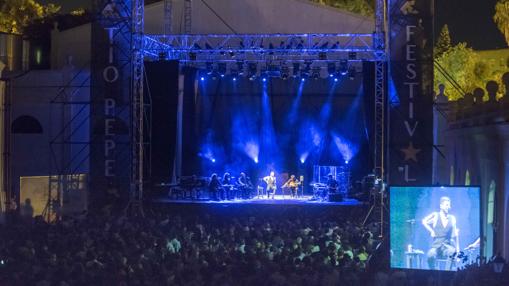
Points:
point(168, 248)
point(164, 249)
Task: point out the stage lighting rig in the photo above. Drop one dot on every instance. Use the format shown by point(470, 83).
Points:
point(285, 72)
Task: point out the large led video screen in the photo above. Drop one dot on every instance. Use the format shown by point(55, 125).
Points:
point(434, 228)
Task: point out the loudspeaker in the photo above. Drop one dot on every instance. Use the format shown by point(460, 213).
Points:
point(335, 197)
point(161, 85)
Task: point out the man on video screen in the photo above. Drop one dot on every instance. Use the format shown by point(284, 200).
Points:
point(442, 228)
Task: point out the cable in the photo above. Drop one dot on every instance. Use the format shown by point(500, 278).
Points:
point(217, 15)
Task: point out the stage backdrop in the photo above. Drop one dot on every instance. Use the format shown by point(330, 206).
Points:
point(282, 125)
point(410, 92)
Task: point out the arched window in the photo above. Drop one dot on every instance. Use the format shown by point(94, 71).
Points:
point(491, 202)
point(467, 178)
point(26, 124)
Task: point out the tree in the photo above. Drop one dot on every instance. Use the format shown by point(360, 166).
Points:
point(444, 42)
point(16, 15)
point(459, 62)
point(361, 7)
point(501, 18)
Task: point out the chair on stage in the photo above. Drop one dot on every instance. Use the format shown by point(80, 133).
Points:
point(445, 263)
point(260, 191)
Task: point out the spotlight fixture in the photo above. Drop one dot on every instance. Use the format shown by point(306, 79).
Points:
point(352, 55)
point(316, 73)
point(252, 70)
point(231, 53)
point(264, 75)
point(202, 78)
point(163, 56)
point(210, 68)
point(273, 70)
point(322, 56)
point(351, 72)
point(285, 72)
point(343, 67)
point(234, 73)
point(240, 67)
point(296, 69)
point(307, 69)
point(221, 68)
point(331, 69)
point(192, 56)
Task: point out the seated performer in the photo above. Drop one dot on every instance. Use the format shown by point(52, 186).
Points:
point(332, 184)
point(245, 185)
point(271, 184)
point(215, 187)
point(228, 186)
point(293, 185)
point(442, 228)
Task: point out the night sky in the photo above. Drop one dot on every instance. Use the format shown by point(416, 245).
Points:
point(469, 21)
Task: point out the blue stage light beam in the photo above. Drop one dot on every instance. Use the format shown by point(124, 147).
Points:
point(269, 147)
point(345, 147)
point(294, 110)
point(325, 113)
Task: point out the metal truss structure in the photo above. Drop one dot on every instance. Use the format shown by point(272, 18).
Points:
point(138, 108)
point(232, 52)
point(261, 47)
point(203, 50)
point(380, 98)
point(65, 165)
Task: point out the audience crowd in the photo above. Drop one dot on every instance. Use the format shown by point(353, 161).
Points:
point(160, 249)
point(165, 248)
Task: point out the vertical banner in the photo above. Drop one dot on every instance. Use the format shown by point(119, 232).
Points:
point(410, 92)
point(110, 152)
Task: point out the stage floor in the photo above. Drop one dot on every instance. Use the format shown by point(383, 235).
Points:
point(278, 200)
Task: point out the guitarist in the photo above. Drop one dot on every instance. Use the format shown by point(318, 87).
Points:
point(293, 185)
point(271, 184)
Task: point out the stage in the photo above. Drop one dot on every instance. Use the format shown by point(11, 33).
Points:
point(277, 208)
point(278, 200)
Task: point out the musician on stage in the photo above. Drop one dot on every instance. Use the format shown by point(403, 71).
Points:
point(271, 184)
point(293, 185)
point(332, 184)
point(244, 185)
point(215, 187)
point(227, 186)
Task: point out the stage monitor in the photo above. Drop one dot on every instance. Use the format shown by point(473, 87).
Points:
point(434, 228)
